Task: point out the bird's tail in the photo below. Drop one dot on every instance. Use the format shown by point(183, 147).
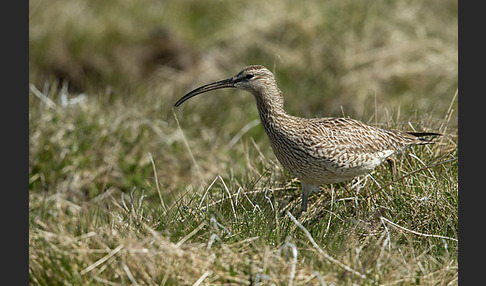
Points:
point(419, 136)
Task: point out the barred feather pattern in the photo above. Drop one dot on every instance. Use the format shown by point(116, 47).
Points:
point(326, 150)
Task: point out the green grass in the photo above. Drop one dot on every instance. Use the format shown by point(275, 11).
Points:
point(125, 190)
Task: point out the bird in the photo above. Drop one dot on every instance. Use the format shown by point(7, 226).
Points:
point(318, 151)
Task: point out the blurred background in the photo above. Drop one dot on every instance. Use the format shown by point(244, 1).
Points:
point(125, 188)
point(325, 54)
point(388, 63)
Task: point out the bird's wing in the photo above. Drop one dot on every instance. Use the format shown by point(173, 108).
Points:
point(350, 136)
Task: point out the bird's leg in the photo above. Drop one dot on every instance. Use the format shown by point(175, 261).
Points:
point(391, 163)
point(306, 190)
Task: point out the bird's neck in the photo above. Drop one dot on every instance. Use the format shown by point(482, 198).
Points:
point(270, 104)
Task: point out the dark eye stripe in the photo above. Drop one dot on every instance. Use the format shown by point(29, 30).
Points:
point(248, 76)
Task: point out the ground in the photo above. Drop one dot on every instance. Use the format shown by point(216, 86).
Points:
point(124, 189)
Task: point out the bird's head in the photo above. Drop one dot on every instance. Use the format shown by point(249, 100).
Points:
point(255, 79)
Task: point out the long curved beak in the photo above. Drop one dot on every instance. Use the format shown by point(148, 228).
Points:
point(225, 83)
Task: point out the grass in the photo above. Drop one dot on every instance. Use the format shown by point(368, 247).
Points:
point(125, 190)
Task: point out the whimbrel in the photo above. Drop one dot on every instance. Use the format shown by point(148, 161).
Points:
point(318, 151)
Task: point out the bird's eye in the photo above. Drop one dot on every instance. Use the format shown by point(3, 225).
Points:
point(248, 76)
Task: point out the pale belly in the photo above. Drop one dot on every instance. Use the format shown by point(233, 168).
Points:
point(319, 170)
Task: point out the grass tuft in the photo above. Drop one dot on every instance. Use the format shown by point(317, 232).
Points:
point(125, 190)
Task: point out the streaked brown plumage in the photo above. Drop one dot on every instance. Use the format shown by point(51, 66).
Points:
point(316, 150)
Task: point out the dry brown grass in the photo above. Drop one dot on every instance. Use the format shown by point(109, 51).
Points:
point(216, 212)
